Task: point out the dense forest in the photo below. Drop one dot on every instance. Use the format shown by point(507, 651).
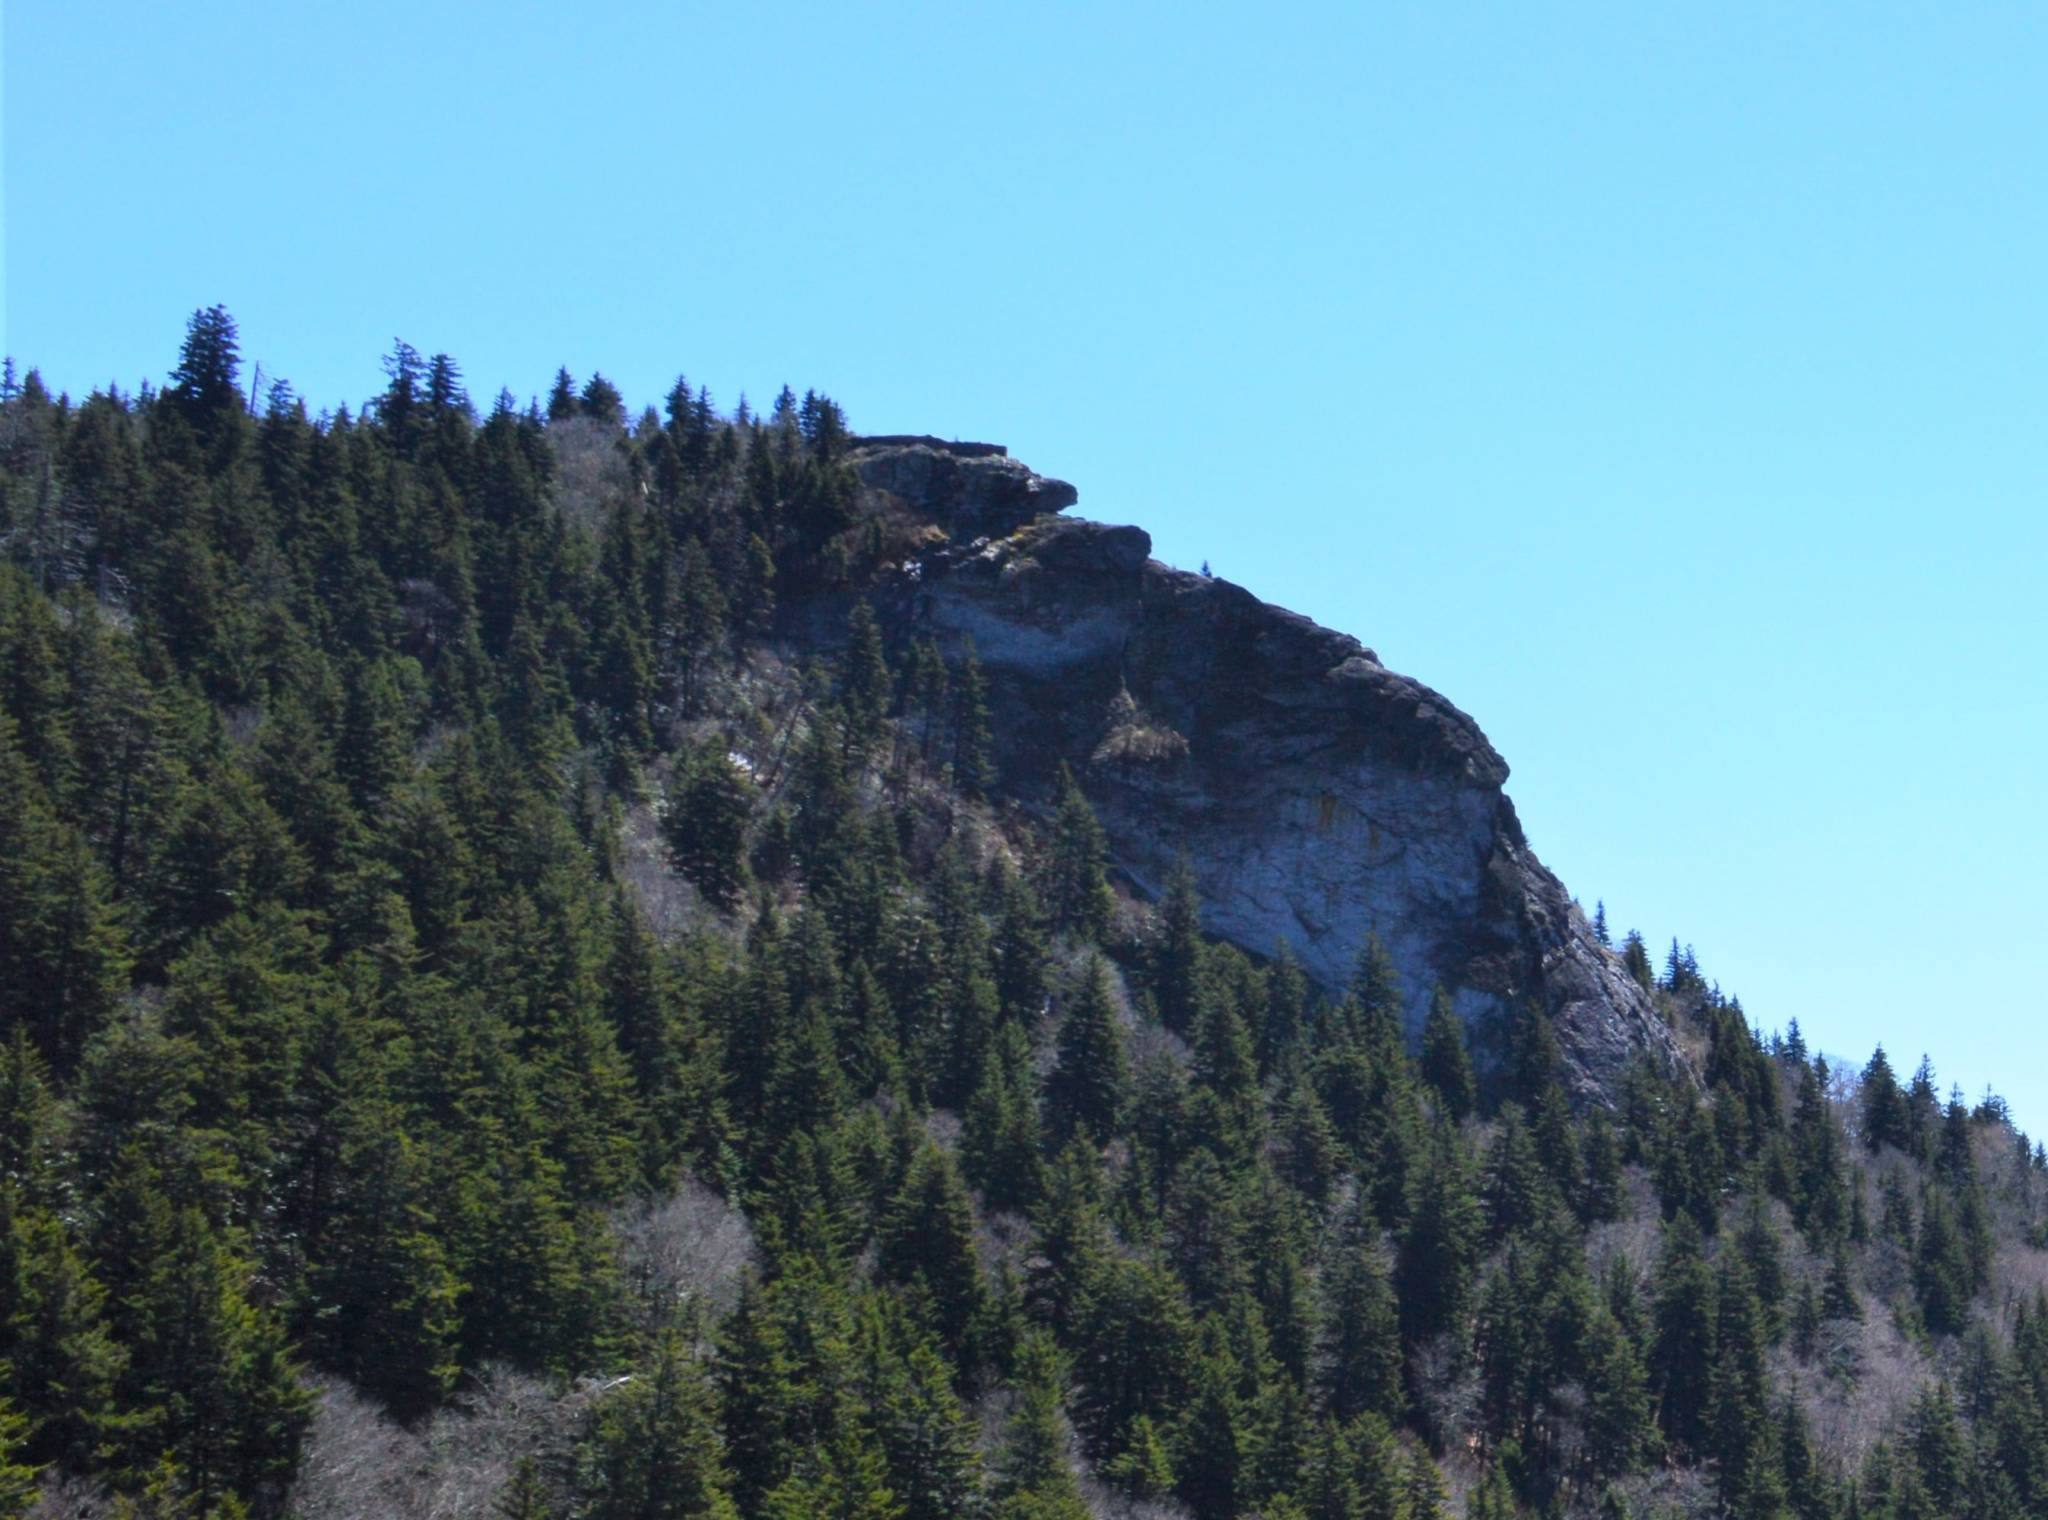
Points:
point(491, 1023)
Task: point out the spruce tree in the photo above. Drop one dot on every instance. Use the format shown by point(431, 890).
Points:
point(1075, 887)
point(656, 1453)
point(709, 805)
point(1359, 1355)
point(1446, 1065)
point(1086, 1088)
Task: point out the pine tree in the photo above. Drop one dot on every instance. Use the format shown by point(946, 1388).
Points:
point(1439, 1245)
point(1075, 885)
point(63, 957)
point(204, 389)
point(1177, 967)
point(18, 1485)
point(1422, 1492)
point(525, 1496)
point(709, 804)
point(1359, 1355)
point(1619, 1432)
point(1286, 1009)
point(1000, 1143)
point(1135, 1351)
point(656, 1453)
point(1218, 1450)
point(1033, 1480)
point(927, 1237)
point(64, 1363)
point(1446, 1065)
point(865, 682)
point(1086, 1089)
point(1682, 1353)
point(973, 743)
point(928, 1438)
point(1737, 1431)
point(233, 1410)
point(1884, 1106)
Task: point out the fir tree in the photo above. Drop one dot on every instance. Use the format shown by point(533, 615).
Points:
point(1446, 1065)
point(656, 1453)
point(1085, 1091)
point(1075, 886)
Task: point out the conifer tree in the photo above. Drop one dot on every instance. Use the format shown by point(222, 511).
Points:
point(1446, 1065)
point(709, 804)
point(865, 682)
point(927, 1237)
point(1086, 1089)
point(1000, 1140)
point(1884, 1106)
point(204, 388)
point(1033, 1481)
point(656, 1453)
point(928, 1439)
point(1682, 1354)
point(525, 1496)
point(1359, 1356)
point(1177, 967)
point(18, 1485)
point(973, 742)
point(62, 1361)
point(1075, 886)
point(1439, 1245)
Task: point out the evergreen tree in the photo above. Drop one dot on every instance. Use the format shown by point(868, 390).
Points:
point(1359, 1357)
point(1086, 1089)
point(656, 1453)
point(1884, 1106)
point(204, 388)
point(1682, 1353)
point(525, 1497)
point(1075, 885)
point(1177, 967)
point(709, 804)
point(927, 1238)
point(928, 1439)
point(1446, 1065)
point(1033, 1480)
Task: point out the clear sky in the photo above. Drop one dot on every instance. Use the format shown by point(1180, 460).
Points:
point(1668, 385)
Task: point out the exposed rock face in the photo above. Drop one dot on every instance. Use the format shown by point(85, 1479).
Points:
point(969, 489)
point(1319, 796)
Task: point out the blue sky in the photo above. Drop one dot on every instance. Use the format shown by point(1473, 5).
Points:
point(1664, 384)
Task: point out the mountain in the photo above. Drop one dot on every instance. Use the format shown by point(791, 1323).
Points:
point(1320, 798)
point(556, 963)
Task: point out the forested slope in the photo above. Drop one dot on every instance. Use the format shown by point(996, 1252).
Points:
point(495, 1024)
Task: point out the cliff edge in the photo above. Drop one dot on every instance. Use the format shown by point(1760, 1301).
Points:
point(1319, 796)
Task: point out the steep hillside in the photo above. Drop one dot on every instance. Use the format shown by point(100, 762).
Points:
point(1320, 798)
point(563, 965)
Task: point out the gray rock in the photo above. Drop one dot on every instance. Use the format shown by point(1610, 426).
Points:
point(1320, 797)
point(968, 489)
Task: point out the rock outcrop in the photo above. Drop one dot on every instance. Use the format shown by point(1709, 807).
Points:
point(968, 489)
point(1320, 797)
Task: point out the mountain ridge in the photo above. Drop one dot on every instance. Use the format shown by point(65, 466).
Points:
point(1322, 798)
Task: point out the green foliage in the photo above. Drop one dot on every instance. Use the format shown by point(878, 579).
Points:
point(1446, 1065)
point(655, 1451)
point(710, 802)
point(344, 1004)
point(1074, 877)
point(1087, 1088)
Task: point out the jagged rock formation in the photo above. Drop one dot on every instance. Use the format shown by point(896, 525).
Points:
point(1319, 796)
point(968, 489)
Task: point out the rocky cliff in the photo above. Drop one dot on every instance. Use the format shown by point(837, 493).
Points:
point(1319, 796)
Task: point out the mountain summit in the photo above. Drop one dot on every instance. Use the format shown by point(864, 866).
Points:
point(1320, 798)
